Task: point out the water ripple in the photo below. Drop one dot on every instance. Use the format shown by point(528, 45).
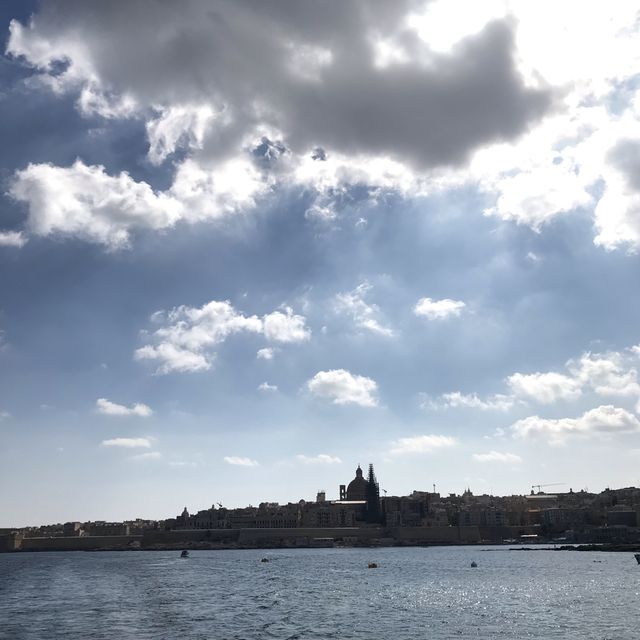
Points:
point(319, 594)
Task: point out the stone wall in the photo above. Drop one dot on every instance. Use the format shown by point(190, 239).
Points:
point(80, 543)
point(447, 535)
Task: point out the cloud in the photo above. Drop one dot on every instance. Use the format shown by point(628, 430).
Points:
point(616, 214)
point(362, 314)
point(151, 455)
point(188, 336)
point(321, 458)
point(173, 359)
point(608, 374)
point(112, 409)
point(361, 97)
point(180, 126)
point(455, 399)
point(605, 420)
point(497, 456)
point(85, 202)
point(612, 373)
point(12, 239)
point(545, 388)
point(285, 327)
point(421, 444)
point(265, 386)
point(438, 309)
point(240, 461)
point(127, 443)
point(357, 90)
point(537, 196)
point(342, 387)
point(4, 415)
point(265, 354)
point(317, 75)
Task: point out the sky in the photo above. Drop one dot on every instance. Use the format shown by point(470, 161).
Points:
point(246, 246)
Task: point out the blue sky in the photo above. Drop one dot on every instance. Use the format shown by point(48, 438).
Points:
point(245, 247)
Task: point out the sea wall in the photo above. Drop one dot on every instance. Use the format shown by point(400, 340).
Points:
point(251, 537)
point(435, 535)
point(80, 543)
point(303, 534)
point(184, 537)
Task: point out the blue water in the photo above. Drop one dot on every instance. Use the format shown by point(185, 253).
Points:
point(321, 593)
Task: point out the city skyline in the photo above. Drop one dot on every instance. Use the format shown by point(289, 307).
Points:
point(246, 246)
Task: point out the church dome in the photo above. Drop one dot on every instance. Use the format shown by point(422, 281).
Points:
point(357, 489)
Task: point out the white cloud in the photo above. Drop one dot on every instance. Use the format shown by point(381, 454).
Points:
point(497, 456)
point(151, 455)
point(455, 399)
point(438, 309)
point(127, 443)
point(4, 415)
point(545, 388)
point(608, 374)
point(342, 387)
point(363, 314)
point(173, 359)
point(12, 239)
point(604, 420)
point(537, 196)
point(188, 336)
point(85, 202)
point(421, 444)
point(183, 125)
point(285, 327)
point(265, 354)
point(612, 373)
point(321, 458)
point(240, 461)
point(112, 409)
point(265, 386)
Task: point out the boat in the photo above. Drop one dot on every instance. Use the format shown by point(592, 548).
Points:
point(184, 554)
point(637, 557)
point(264, 560)
point(474, 564)
point(372, 565)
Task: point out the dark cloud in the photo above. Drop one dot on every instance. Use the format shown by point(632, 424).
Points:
point(305, 69)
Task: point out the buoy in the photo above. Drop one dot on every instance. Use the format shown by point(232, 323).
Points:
point(474, 564)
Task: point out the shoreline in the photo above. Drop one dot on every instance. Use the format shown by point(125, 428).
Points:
point(585, 547)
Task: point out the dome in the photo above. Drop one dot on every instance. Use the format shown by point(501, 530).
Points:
point(357, 489)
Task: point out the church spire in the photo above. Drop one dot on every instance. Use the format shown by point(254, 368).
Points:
point(373, 497)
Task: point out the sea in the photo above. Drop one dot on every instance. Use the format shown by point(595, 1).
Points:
point(430, 593)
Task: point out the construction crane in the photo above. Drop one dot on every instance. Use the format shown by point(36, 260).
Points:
point(551, 484)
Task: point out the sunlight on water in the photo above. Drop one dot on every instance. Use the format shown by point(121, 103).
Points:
point(320, 593)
